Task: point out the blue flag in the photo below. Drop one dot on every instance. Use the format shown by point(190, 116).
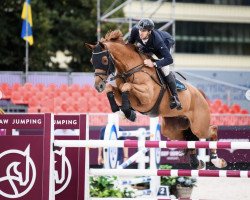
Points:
point(27, 23)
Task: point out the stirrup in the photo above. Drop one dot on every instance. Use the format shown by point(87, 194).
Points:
point(175, 103)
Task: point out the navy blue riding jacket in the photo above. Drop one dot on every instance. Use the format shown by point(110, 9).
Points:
point(159, 43)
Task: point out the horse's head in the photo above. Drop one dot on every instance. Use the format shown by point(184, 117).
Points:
point(103, 64)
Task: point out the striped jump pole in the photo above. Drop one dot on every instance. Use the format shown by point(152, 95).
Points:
point(171, 173)
point(153, 144)
point(142, 198)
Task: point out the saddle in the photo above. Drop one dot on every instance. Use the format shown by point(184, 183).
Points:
point(155, 110)
point(179, 85)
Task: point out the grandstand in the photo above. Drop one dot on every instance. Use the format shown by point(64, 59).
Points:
point(212, 40)
point(67, 93)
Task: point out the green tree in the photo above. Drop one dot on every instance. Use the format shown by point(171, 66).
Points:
point(12, 46)
point(61, 25)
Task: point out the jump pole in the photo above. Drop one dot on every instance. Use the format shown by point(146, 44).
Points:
point(154, 144)
point(171, 173)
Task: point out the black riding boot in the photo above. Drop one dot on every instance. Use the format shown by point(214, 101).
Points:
point(174, 100)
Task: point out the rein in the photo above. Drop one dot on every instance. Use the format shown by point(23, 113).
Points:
point(125, 75)
point(110, 68)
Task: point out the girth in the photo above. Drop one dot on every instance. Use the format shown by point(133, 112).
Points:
point(154, 111)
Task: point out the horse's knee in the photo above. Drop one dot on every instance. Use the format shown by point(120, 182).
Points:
point(109, 88)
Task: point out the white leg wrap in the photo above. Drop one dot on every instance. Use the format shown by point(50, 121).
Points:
point(165, 70)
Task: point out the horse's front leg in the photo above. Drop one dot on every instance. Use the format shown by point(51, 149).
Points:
point(126, 107)
point(112, 94)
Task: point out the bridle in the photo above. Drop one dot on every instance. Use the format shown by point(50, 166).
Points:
point(108, 68)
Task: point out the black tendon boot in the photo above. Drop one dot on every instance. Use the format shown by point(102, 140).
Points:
point(174, 100)
point(112, 102)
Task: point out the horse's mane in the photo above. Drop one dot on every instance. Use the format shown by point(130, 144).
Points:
point(117, 36)
point(113, 36)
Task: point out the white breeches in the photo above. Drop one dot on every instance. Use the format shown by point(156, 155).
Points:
point(165, 70)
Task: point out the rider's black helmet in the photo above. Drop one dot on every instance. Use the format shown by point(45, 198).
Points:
point(146, 24)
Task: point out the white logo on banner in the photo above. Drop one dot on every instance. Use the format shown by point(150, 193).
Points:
point(65, 163)
point(13, 176)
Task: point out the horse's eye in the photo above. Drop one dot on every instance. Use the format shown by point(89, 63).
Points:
point(105, 60)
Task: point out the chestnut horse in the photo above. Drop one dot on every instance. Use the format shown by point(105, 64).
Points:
point(138, 88)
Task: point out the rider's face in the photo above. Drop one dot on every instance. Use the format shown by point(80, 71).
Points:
point(144, 34)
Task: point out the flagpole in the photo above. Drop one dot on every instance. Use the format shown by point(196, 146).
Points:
point(27, 46)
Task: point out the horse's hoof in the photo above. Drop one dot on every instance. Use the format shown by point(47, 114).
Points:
point(194, 162)
point(219, 162)
point(121, 115)
point(130, 115)
point(201, 164)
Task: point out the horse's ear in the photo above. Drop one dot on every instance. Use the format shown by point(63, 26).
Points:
point(89, 46)
point(102, 45)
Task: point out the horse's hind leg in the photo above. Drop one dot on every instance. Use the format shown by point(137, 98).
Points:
point(217, 162)
point(194, 162)
point(176, 128)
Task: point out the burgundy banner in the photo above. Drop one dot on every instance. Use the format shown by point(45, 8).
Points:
point(21, 167)
point(25, 159)
point(22, 121)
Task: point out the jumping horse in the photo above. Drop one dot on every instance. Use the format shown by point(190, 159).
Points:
point(138, 88)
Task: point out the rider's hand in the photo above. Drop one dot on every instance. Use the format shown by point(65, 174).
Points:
point(148, 63)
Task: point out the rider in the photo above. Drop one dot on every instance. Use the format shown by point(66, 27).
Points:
point(159, 43)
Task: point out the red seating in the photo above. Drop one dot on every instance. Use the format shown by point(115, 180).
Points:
point(244, 111)
point(80, 99)
point(17, 97)
point(40, 87)
point(74, 88)
point(76, 95)
point(28, 86)
point(235, 108)
point(33, 102)
point(16, 86)
point(63, 88)
point(6, 90)
point(52, 87)
point(26, 96)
